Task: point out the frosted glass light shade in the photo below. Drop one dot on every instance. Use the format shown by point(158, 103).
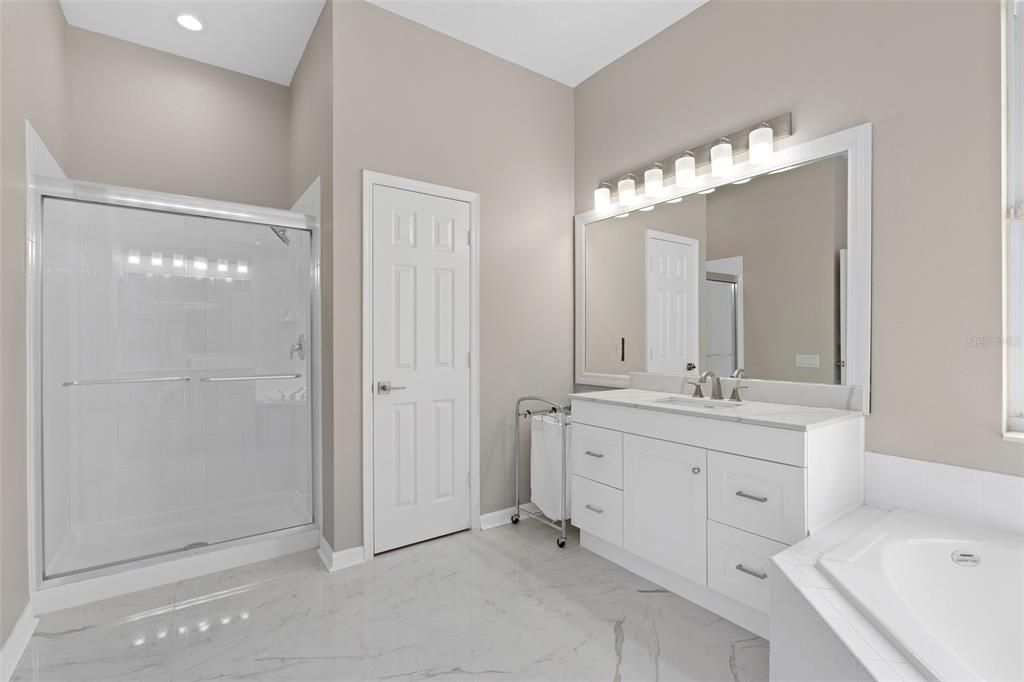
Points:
point(627, 191)
point(686, 170)
point(654, 182)
point(762, 144)
point(721, 159)
point(133, 257)
point(602, 198)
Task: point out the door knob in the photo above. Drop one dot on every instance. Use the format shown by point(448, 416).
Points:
point(385, 388)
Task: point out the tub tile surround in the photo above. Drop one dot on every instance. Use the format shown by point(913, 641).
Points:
point(811, 618)
point(983, 498)
point(504, 603)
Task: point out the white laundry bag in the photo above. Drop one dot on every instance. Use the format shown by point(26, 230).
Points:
point(546, 465)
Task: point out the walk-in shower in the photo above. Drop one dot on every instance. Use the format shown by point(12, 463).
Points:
point(174, 399)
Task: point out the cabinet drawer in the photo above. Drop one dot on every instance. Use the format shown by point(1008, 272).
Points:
point(597, 509)
point(739, 565)
point(761, 497)
point(597, 454)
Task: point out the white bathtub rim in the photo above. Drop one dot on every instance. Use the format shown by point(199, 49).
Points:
point(947, 665)
point(798, 565)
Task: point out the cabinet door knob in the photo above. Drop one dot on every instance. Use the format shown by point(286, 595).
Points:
point(695, 470)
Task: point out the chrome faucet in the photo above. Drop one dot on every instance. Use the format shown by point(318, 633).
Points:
point(299, 348)
point(716, 384)
point(739, 373)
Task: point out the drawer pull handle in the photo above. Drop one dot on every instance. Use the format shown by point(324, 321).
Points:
point(757, 574)
point(596, 510)
point(594, 454)
point(748, 496)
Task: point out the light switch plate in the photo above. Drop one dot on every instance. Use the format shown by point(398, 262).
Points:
point(808, 360)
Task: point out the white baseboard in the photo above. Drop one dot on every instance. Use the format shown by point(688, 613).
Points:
point(727, 608)
point(496, 518)
point(13, 649)
point(66, 593)
point(335, 561)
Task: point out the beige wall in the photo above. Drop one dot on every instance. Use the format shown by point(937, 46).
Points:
point(936, 233)
point(415, 103)
point(616, 282)
point(152, 120)
point(785, 226)
point(310, 135)
point(33, 45)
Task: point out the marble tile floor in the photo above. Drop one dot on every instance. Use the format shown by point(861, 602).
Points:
point(499, 604)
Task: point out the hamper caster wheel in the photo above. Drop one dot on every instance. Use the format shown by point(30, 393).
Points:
point(560, 542)
point(515, 518)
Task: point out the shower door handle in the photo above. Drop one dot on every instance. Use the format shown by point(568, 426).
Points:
point(255, 377)
point(103, 382)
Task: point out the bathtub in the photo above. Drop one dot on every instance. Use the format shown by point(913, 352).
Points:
point(949, 595)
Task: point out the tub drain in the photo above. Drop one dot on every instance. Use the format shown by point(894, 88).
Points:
point(966, 558)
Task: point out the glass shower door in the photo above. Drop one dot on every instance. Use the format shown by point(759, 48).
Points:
point(161, 427)
point(256, 403)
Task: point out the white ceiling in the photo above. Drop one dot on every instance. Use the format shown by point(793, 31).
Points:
point(567, 40)
point(261, 38)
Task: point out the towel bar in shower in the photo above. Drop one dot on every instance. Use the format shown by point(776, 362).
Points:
point(255, 377)
point(100, 382)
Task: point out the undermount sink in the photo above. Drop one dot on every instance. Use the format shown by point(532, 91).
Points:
point(706, 403)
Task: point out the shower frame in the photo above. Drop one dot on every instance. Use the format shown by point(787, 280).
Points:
point(50, 594)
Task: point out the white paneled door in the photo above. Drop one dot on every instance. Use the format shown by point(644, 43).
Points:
point(672, 271)
point(421, 367)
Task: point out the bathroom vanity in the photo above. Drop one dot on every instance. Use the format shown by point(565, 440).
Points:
point(697, 495)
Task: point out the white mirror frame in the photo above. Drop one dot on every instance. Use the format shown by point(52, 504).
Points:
point(855, 144)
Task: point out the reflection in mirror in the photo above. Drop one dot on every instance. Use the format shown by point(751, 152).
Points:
point(749, 276)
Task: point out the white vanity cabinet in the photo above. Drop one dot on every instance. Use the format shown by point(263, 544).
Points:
point(699, 502)
point(667, 524)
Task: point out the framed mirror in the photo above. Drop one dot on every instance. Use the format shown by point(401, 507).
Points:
point(765, 270)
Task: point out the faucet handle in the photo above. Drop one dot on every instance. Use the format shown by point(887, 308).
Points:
point(735, 395)
point(697, 393)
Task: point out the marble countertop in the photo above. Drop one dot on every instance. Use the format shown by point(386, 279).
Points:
point(776, 415)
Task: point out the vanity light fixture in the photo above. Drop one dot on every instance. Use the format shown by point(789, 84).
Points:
point(761, 143)
point(627, 190)
point(199, 263)
point(654, 181)
point(603, 197)
point(686, 169)
point(156, 259)
point(709, 190)
point(189, 22)
point(133, 257)
point(243, 267)
point(721, 158)
point(178, 261)
point(222, 265)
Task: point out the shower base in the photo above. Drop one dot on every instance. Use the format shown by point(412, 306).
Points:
point(108, 544)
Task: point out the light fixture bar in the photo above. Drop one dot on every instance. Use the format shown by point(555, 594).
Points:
point(781, 125)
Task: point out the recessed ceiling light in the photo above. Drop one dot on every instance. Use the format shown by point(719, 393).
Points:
point(743, 181)
point(707, 191)
point(189, 22)
point(647, 208)
point(674, 201)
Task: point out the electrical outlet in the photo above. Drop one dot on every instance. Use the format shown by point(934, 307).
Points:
point(808, 360)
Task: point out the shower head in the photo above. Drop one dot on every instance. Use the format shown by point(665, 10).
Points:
point(282, 234)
